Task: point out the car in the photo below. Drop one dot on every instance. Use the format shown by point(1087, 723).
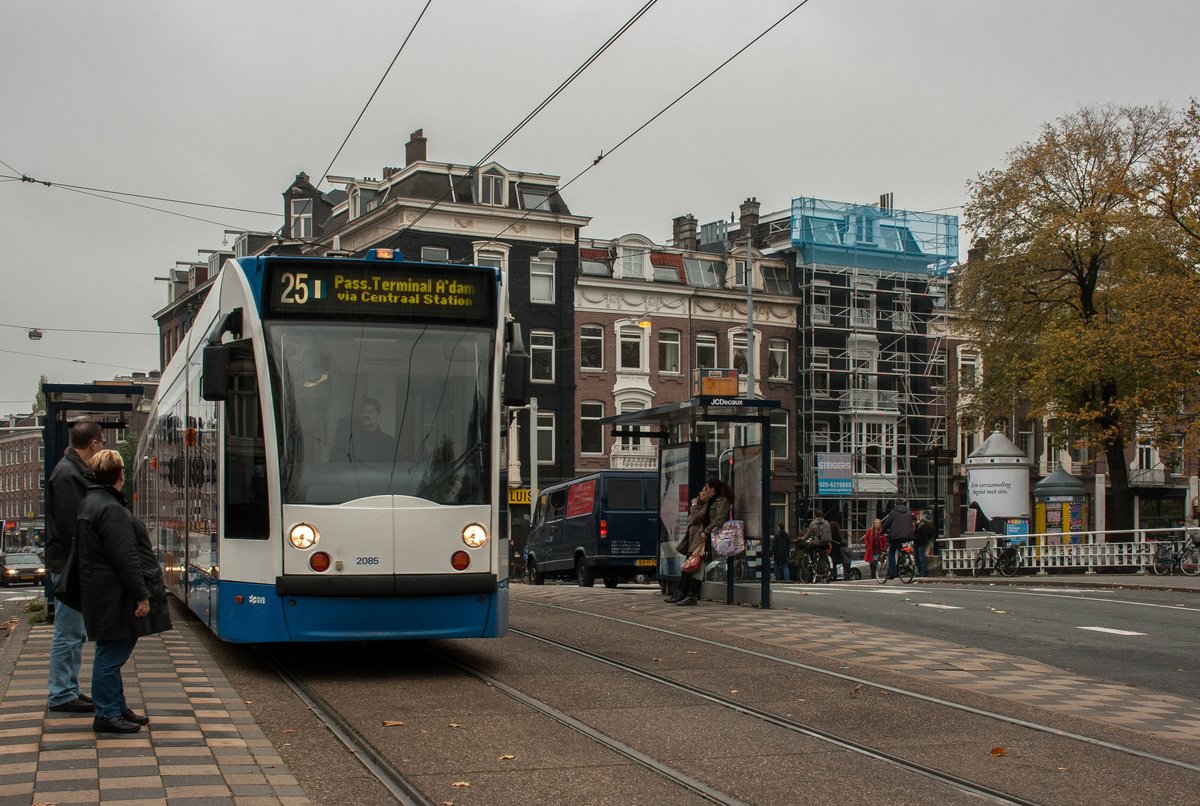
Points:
point(860, 569)
point(21, 567)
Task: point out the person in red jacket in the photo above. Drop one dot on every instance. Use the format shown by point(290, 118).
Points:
point(874, 544)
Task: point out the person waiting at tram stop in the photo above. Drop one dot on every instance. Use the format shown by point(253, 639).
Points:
point(69, 482)
point(121, 590)
point(709, 509)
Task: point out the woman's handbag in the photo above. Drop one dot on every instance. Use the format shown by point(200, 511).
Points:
point(67, 589)
point(730, 539)
point(692, 564)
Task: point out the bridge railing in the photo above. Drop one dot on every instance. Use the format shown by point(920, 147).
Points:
point(1114, 551)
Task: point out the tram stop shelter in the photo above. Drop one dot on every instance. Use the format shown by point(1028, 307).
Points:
point(682, 469)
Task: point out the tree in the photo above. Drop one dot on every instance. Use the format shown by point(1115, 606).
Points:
point(39, 400)
point(1085, 269)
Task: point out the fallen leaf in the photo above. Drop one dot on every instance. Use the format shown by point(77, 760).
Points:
point(999, 751)
point(392, 723)
point(289, 730)
point(733, 691)
point(1061, 769)
point(1001, 612)
point(248, 702)
point(461, 784)
point(455, 725)
point(656, 659)
point(507, 757)
point(857, 688)
point(692, 652)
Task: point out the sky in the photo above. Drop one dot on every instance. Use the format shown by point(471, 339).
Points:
point(223, 102)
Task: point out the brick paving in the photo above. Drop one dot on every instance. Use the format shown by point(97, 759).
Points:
point(992, 673)
point(201, 748)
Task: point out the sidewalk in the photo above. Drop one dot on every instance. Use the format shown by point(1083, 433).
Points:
point(1147, 581)
point(201, 748)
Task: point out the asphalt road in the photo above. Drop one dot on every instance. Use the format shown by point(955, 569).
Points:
point(1149, 639)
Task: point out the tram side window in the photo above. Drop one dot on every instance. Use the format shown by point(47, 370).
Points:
point(246, 506)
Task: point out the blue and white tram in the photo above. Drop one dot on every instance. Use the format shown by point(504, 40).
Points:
point(321, 463)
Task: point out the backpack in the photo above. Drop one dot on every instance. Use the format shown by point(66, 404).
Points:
point(823, 533)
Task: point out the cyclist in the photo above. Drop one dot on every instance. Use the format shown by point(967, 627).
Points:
point(897, 525)
point(817, 538)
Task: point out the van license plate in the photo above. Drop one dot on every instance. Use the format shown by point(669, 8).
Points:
point(646, 562)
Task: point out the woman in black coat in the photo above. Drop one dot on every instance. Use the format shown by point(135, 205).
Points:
point(122, 595)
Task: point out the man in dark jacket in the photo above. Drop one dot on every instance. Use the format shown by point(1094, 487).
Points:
point(898, 527)
point(68, 483)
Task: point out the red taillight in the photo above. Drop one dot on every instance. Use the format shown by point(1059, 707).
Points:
point(603, 530)
point(319, 561)
point(460, 560)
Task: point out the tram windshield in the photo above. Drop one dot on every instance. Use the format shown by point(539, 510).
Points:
point(382, 409)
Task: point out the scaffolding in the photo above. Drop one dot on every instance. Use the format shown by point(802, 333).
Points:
point(873, 286)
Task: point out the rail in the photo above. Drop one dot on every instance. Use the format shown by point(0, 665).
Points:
point(1096, 551)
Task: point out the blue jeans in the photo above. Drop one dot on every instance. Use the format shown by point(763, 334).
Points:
point(892, 549)
point(919, 554)
point(783, 572)
point(108, 691)
point(66, 652)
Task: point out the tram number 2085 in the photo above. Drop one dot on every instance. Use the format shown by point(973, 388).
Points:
point(366, 561)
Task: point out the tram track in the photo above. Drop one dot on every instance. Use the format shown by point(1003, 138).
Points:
point(371, 759)
point(938, 776)
point(891, 689)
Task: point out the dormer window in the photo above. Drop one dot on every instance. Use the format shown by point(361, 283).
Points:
point(534, 198)
point(491, 189)
point(302, 222)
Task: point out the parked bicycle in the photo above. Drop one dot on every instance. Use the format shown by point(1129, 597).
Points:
point(1182, 553)
point(1007, 560)
point(906, 566)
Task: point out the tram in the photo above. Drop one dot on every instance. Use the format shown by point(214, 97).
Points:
point(321, 462)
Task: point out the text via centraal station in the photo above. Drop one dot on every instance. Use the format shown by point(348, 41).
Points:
point(384, 291)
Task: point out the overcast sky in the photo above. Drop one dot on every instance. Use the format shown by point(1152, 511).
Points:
point(225, 102)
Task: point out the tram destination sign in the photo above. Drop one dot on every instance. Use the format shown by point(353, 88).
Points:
point(380, 290)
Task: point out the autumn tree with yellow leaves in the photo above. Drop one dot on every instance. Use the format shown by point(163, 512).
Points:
point(1085, 304)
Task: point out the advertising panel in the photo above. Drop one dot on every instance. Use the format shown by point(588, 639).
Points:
point(1000, 491)
point(835, 474)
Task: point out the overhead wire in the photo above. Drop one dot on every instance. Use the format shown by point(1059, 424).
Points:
point(656, 115)
point(538, 109)
point(22, 177)
point(76, 330)
point(373, 93)
point(73, 360)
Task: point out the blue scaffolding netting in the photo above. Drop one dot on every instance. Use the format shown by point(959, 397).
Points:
point(827, 231)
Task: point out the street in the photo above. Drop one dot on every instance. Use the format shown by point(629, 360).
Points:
point(1147, 639)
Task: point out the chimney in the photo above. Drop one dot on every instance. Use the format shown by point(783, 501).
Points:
point(389, 172)
point(414, 149)
point(748, 212)
point(685, 232)
point(978, 251)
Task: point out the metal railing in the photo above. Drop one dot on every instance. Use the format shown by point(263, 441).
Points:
point(1131, 552)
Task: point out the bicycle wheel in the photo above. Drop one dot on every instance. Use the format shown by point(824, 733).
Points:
point(881, 568)
point(1189, 563)
point(1009, 562)
point(906, 568)
point(1163, 559)
point(807, 573)
point(824, 570)
point(983, 561)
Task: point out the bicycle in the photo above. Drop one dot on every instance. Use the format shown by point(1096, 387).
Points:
point(819, 571)
point(906, 565)
point(1183, 553)
point(1007, 561)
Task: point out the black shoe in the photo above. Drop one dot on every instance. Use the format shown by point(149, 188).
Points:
point(137, 719)
point(117, 725)
point(85, 698)
point(688, 601)
point(76, 706)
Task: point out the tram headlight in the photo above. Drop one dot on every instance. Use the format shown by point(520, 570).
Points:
point(475, 536)
point(304, 536)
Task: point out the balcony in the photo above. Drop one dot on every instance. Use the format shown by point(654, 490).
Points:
point(633, 457)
